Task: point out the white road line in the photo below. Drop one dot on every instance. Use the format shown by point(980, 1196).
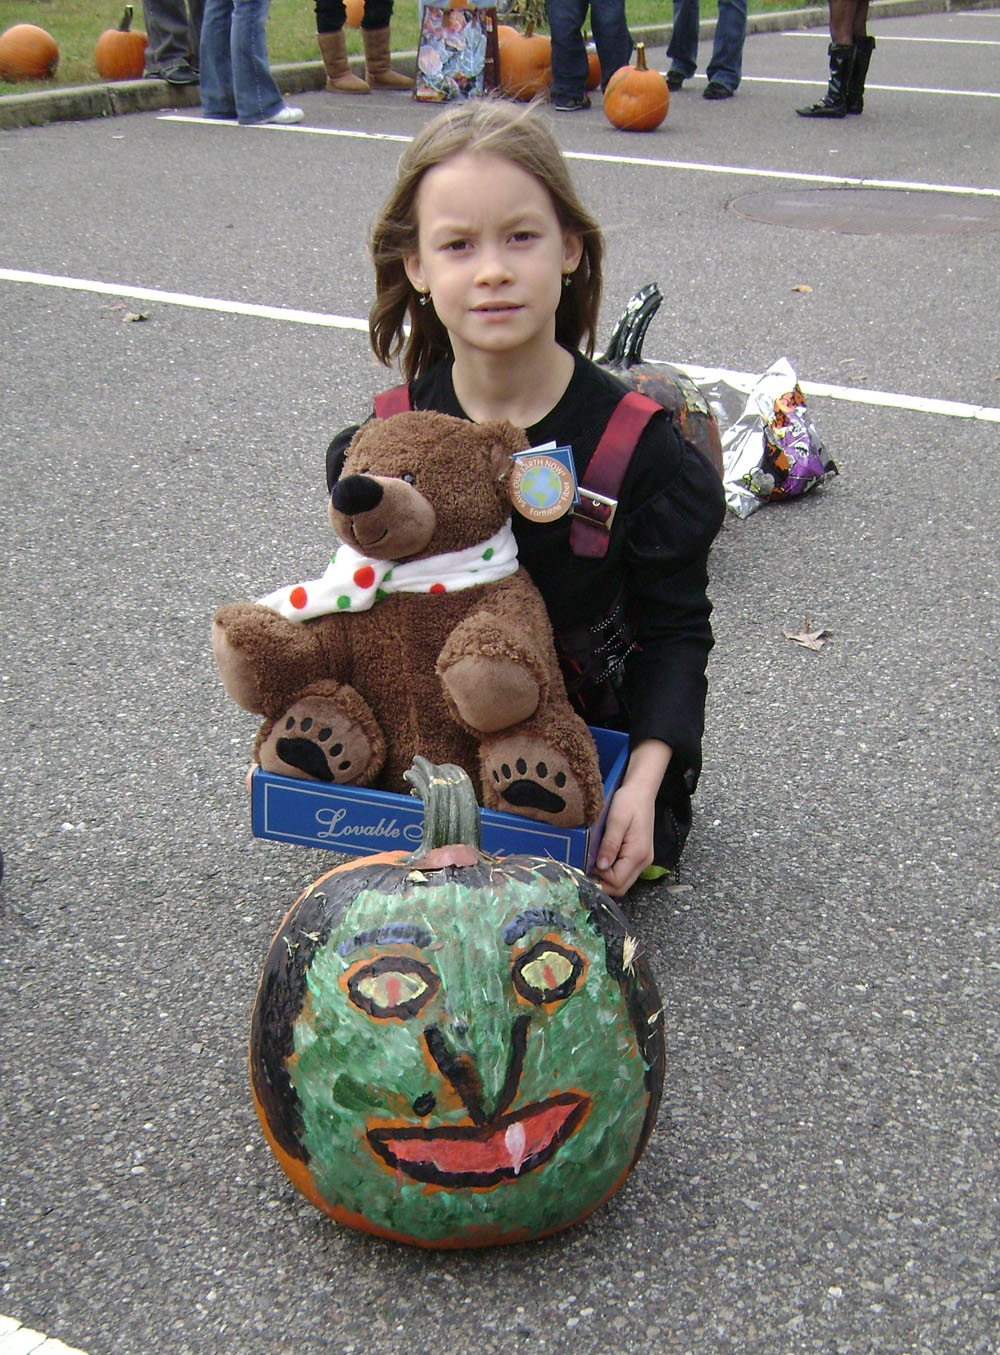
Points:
point(885, 37)
point(272, 127)
point(16, 1339)
point(855, 395)
point(744, 171)
point(748, 171)
point(205, 303)
point(886, 89)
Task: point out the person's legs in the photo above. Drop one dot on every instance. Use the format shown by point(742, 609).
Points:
point(683, 48)
point(257, 96)
point(569, 53)
point(377, 41)
point(864, 45)
point(217, 98)
point(611, 36)
point(726, 64)
point(196, 11)
point(167, 38)
point(842, 16)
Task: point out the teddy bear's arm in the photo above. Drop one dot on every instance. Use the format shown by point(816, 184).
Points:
point(265, 660)
point(497, 665)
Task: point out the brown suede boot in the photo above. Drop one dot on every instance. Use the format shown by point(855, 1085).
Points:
point(378, 72)
point(339, 76)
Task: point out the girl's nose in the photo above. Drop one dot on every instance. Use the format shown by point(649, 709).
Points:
point(493, 267)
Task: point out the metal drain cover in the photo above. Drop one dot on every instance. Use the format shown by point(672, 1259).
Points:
point(872, 211)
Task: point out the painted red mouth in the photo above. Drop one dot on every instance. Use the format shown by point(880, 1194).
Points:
point(482, 1155)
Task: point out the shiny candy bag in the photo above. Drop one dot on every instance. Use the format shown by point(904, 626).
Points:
point(772, 451)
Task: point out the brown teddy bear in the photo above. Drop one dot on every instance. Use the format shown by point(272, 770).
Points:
point(423, 636)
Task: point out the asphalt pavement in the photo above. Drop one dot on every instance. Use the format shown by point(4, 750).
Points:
point(182, 330)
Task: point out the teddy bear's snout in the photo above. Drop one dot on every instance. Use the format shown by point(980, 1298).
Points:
point(356, 494)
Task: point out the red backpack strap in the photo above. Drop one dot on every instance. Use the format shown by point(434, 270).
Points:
point(394, 401)
point(592, 517)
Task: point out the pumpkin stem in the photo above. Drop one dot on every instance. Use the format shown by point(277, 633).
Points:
point(451, 814)
point(640, 57)
point(126, 22)
point(625, 345)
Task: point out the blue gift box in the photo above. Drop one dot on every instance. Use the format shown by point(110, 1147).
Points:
point(352, 819)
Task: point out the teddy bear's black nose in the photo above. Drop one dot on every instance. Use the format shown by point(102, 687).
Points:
point(356, 494)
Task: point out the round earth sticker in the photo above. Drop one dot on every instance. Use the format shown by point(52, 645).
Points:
point(541, 488)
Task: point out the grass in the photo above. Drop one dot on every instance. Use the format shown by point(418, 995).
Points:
point(77, 24)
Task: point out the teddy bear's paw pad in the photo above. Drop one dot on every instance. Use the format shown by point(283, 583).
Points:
point(324, 746)
point(538, 786)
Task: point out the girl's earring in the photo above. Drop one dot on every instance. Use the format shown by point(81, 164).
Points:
point(424, 299)
point(567, 280)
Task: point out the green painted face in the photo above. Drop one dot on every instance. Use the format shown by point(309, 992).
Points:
point(466, 1066)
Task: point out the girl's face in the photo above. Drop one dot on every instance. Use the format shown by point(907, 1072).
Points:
point(492, 253)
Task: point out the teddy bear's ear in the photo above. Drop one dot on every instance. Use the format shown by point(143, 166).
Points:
point(336, 454)
point(502, 440)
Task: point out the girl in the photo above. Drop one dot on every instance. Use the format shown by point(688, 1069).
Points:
point(485, 249)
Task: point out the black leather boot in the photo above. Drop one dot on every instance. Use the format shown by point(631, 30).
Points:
point(834, 102)
point(863, 49)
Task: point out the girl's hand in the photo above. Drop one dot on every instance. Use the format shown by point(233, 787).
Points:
point(627, 845)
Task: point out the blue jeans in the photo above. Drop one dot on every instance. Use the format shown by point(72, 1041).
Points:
point(569, 53)
point(236, 79)
point(726, 64)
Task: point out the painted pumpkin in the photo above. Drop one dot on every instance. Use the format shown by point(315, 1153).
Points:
point(355, 12)
point(667, 385)
point(451, 1049)
point(637, 99)
point(120, 53)
point(27, 52)
point(525, 62)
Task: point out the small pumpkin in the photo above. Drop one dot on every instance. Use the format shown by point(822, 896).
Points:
point(667, 385)
point(120, 53)
point(636, 98)
point(27, 52)
point(451, 1049)
point(525, 62)
point(355, 12)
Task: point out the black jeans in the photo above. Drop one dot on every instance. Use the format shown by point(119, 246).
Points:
point(331, 15)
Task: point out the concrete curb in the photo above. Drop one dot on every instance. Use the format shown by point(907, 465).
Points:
point(75, 102)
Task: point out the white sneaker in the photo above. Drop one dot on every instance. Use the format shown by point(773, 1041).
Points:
point(286, 115)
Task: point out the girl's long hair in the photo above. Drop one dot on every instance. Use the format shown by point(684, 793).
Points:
point(492, 126)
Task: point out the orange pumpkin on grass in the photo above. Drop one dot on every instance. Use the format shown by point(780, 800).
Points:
point(120, 53)
point(637, 99)
point(27, 52)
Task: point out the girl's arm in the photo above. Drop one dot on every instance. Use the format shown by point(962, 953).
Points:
point(627, 845)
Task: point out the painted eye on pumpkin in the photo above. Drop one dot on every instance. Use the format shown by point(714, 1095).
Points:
point(548, 972)
point(392, 987)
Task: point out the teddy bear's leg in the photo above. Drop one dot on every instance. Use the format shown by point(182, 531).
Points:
point(545, 769)
point(327, 734)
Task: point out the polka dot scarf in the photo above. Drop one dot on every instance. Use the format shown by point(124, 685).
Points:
point(354, 582)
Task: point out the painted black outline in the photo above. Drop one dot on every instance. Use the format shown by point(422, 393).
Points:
point(399, 964)
point(379, 1140)
point(543, 996)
